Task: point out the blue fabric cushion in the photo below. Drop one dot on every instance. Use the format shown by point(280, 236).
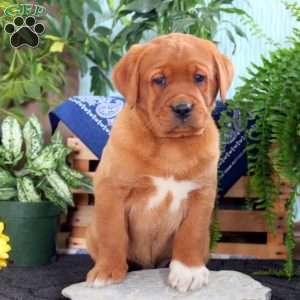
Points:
point(90, 118)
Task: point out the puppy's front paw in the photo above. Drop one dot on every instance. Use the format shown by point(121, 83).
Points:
point(185, 278)
point(102, 275)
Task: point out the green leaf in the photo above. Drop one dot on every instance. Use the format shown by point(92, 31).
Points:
point(94, 6)
point(52, 37)
point(111, 4)
point(80, 59)
point(18, 113)
point(234, 11)
point(231, 38)
point(8, 193)
point(32, 89)
point(100, 51)
point(77, 8)
point(26, 190)
point(7, 179)
point(57, 47)
point(45, 161)
point(12, 139)
point(226, 1)
point(239, 31)
point(57, 138)
point(33, 136)
point(87, 184)
point(66, 26)
point(99, 81)
point(53, 26)
point(51, 194)
point(142, 6)
point(90, 21)
point(103, 31)
point(60, 186)
point(182, 25)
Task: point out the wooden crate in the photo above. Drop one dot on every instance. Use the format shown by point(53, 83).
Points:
point(245, 232)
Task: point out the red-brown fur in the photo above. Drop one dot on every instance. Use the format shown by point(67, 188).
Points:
point(146, 140)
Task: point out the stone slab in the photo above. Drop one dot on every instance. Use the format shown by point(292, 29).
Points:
point(152, 285)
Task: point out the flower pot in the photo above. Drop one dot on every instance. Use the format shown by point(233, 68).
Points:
point(32, 230)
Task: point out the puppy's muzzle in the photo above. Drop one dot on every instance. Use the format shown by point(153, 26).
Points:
point(182, 110)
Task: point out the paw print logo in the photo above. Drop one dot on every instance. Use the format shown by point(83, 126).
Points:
point(24, 32)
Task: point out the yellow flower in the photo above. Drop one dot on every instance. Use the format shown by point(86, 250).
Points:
point(4, 247)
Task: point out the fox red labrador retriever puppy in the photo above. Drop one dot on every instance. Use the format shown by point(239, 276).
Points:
point(155, 186)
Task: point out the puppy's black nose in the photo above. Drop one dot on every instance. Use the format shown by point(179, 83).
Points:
point(182, 110)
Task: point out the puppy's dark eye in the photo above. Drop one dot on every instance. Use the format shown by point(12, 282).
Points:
point(199, 78)
point(161, 80)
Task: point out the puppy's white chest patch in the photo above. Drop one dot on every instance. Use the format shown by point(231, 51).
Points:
point(178, 189)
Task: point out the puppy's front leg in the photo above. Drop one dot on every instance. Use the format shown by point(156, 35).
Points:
point(191, 244)
point(107, 238)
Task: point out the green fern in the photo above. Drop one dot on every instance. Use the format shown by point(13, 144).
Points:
point(294, 8)
point(256, 31)
point(271, 95)
point(289, 238)
point(215, 232)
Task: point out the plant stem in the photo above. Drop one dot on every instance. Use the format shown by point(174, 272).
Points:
point(290, 239)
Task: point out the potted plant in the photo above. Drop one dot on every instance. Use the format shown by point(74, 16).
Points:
point(270, 94)
point(35, 183)
point(95, 42)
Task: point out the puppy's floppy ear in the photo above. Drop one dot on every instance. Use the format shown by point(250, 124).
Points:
point(126, 74)
point(225, 72)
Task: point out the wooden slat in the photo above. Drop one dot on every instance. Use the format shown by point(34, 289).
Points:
point(261, 251)
point(279, 205)
point(275, 239)
point(246, 221)
point(81, 198)
point(82, 216)
point(89, 174)
point(82, 166)
point(280, 211)
point(81, 152)
point(238, 190)
point(61, 240)
point(77, 243)
point(78, 232)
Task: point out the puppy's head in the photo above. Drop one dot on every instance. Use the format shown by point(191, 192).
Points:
point(173, 81)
